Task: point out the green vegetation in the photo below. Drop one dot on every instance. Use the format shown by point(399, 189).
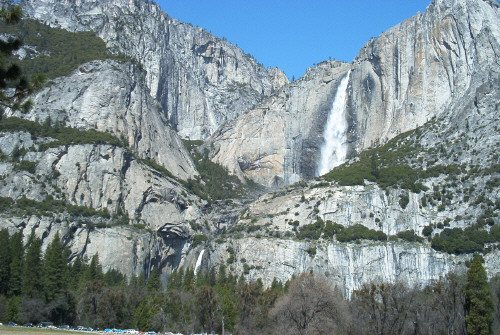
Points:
point(215, 182)
point(198, 239)
point(155, 166)
point(404, 199)
point(358, 231)
point(427, 231)
point(478, 302)
point(388, 166)
point(47, 207)
point(11, 76)
point(410, 236)
point(62, 135)
point(58, 51)
point(37, 286)
point(26, 166)
point(330, 229)
point(460, 241)
point(311, 231)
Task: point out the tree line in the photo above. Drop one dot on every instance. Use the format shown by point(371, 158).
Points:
point(39, 286)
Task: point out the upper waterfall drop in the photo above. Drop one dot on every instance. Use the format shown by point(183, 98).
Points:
point(334, 149)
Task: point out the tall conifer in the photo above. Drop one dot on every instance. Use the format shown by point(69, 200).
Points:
point(32, 284)
point(4, 261)
point(55, 281)
point(478, 301)
point(16, 263)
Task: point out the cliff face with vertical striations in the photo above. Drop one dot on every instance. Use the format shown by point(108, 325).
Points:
point(278, 142)
point(417, 69)
point(200, 80)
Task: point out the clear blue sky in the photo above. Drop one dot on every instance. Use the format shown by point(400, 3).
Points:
point(295, 34)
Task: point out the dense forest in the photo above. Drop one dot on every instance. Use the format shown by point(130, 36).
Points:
point(38, 285)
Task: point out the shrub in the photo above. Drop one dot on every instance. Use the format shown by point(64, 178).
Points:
point(358, 231)
point(62, 135)
point(332, 229)
point(460, 241)
point(65, 50)
point(26, 166)
point(427, 231)
point(311, 251)
point(410, 236)
point(311, 231)
point(404, 199)
point(198, 239)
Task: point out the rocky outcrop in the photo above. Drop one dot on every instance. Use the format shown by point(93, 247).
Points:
point(416, 69)
point(200, 80)
point(112, 97)
point(277, 143)
point(150, 215)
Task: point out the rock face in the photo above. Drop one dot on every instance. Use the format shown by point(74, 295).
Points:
point(440, 65)
point(349, 266)
point(399, 80)
point(416, 69)
point(278, 142)
point(102, 177)
point(464, 138)
point(200, 80)
point(112, 97)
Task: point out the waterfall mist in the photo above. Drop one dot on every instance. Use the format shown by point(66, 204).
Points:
point(334, 149)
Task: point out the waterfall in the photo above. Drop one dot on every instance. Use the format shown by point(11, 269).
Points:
point(198, 262)
point(334, 149)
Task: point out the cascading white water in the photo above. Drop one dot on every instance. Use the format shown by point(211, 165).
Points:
point(198, 262)
point(334, 149)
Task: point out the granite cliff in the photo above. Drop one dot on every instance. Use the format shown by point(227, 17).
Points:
point(200, 80)
point(99, 158)
point(399, 80)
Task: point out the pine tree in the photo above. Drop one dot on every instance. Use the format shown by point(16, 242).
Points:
point(76, 273)
point(154, 284)
point(94, 271)
point(478, 301)
point(55, 281)
point(16, 264)
point(188, 281)
point(10, 74)
point(32, 284)
point(5, 259)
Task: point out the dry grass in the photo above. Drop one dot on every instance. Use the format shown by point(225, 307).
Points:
point(7, 330)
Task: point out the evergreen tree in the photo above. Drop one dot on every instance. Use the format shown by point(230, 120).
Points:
point(221, 277)
point(94, 271)
point(76, 273)
point(10, 73)
point(16, 264)
point(5, 259)
point(478, 301)
point(154, 284)
point(32, 284)
point(188, 281)
point(173, 280)
point(55, 279)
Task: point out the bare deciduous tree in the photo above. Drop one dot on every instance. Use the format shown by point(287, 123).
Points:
point(311, 306)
